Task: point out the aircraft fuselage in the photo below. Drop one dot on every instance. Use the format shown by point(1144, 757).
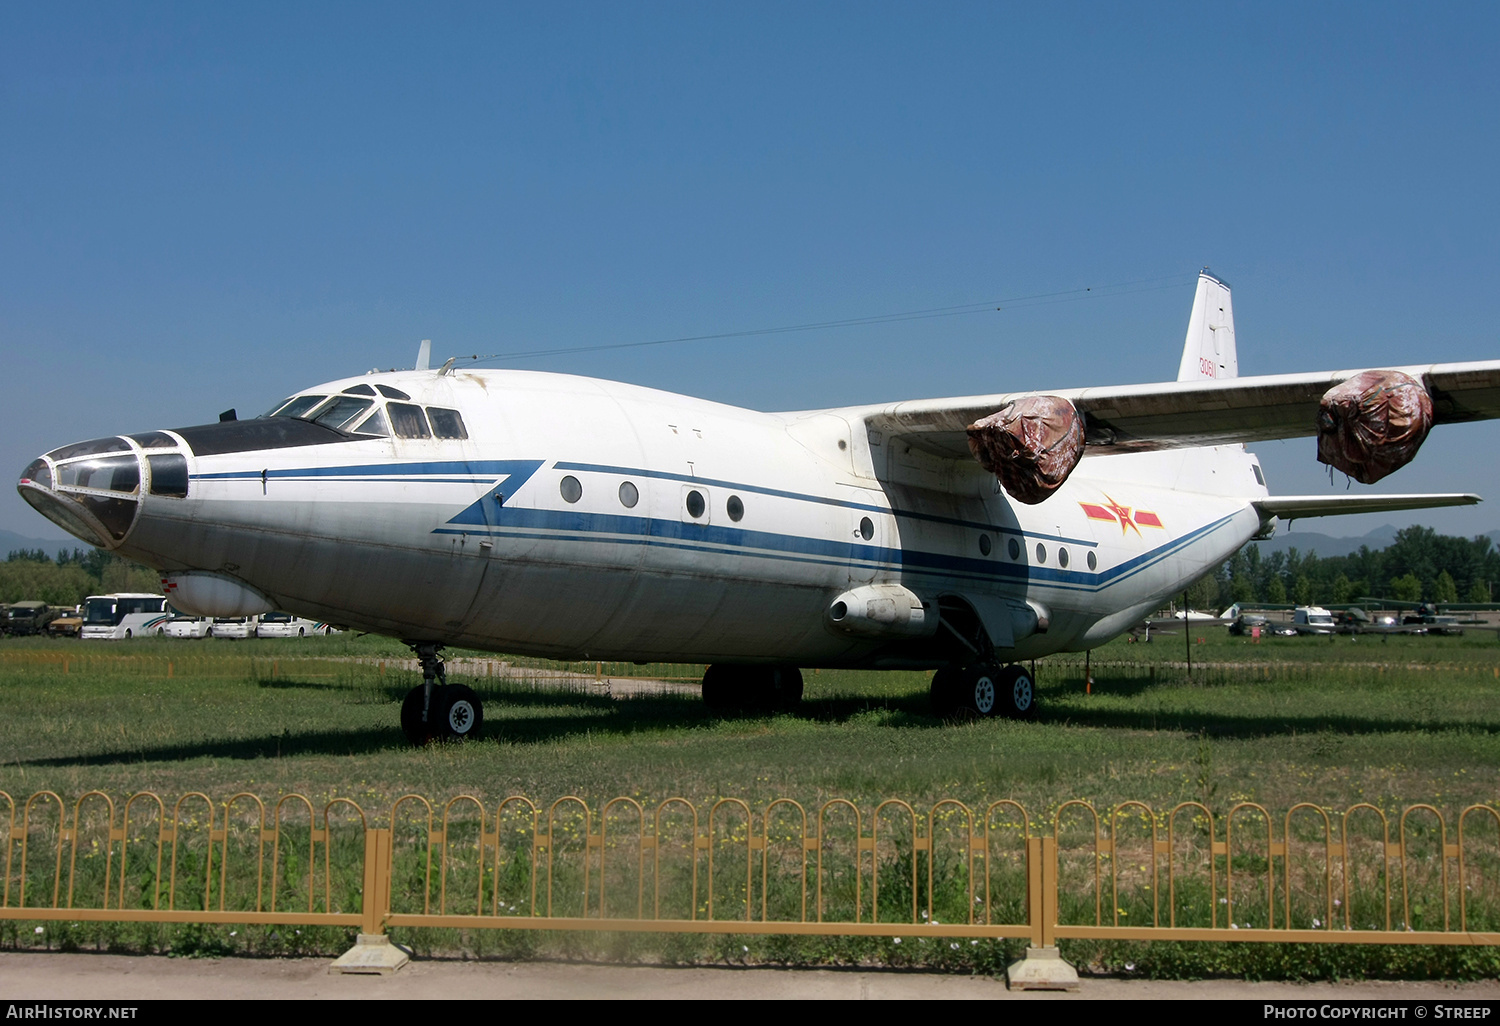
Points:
point(581, 518)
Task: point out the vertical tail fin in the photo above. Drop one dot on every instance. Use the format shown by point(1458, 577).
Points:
point(1209, 349)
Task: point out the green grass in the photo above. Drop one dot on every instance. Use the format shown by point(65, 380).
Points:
point(1283, 723)
point(1391, 722)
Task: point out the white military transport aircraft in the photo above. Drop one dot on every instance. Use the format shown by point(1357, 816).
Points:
point(573, 518)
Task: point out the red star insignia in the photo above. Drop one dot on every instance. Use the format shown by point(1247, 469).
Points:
point(1123, 512)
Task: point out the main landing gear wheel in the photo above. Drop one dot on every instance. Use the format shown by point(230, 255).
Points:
point(982, 690)
point(1017, 694)
point(752, 688)
point(944, 691)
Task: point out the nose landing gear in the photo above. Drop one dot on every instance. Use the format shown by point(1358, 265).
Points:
point(981, 690)
point(439, 711)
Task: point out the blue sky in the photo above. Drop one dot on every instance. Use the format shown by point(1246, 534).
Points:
point(206, 206)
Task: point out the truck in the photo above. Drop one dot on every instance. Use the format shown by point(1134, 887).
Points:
point(28, 618)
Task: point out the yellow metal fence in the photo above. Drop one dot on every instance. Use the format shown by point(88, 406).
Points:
point(1310, 874)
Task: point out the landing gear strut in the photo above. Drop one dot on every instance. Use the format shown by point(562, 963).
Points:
point(435, 709)
point(981, 690)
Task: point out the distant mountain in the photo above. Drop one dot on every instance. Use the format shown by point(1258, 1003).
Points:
point(1327, 545)
point(10, 542)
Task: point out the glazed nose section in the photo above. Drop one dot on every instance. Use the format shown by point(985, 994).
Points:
point(90, 489)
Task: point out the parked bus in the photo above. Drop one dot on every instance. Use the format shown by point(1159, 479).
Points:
point(285, 625)
point(123, 615)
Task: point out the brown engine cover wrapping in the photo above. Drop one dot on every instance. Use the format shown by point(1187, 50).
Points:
point(1373, 424)
point(1031, 446)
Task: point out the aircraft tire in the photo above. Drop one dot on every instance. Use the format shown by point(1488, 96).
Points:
point(943, 694)
point(784, 688)
point(417, 732)
point(1016, 695)
point(720, 688)
point(460, 713)
point(977, 691)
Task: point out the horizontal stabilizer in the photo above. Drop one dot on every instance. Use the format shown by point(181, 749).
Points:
point(1294, 507)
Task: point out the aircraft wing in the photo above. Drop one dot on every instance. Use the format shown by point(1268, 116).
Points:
point(1179, 414)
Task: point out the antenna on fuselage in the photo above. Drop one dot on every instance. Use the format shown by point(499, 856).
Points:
point(424, 355)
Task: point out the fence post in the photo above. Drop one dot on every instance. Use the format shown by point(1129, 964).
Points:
point(1043, 967)
point(373, 951)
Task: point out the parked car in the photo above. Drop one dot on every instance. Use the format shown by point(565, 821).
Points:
point(1246, 622)
point(67, 623)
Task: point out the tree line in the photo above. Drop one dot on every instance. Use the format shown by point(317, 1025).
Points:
point(1420, 565)
point(69, 577)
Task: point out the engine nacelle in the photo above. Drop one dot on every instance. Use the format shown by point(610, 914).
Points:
point(881, 611)
point(1373, 424)
point(1031, 446)
point(204, 593)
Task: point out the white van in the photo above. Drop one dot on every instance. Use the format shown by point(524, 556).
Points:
point(285, 625)
point(123, 615)
point(234, 626)
point(1313, 620)
point(184, 626)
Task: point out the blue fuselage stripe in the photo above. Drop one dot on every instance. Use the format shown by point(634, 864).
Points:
point(709, 482)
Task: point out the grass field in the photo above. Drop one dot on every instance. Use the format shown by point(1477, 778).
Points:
point(1393, 722)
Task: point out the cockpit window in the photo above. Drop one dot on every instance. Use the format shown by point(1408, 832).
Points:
point(359, 390)
point(90, 448)
point(374, 424)
point(408, 421)
point(341, 411)
point(446, 423)
point(155, 440)
point(107, 473)
point(298, 407)
point(392, 393)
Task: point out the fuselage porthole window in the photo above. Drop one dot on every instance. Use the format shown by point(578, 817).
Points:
point(1041, 553)
point(1015, 549)
point(735, 508)
point(1062, 556)
point(1093, 561)
point(696, 504)
point(570, 488)
point(629, 496)
point(446, 423)
point(866, 528)
point(407, 421)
